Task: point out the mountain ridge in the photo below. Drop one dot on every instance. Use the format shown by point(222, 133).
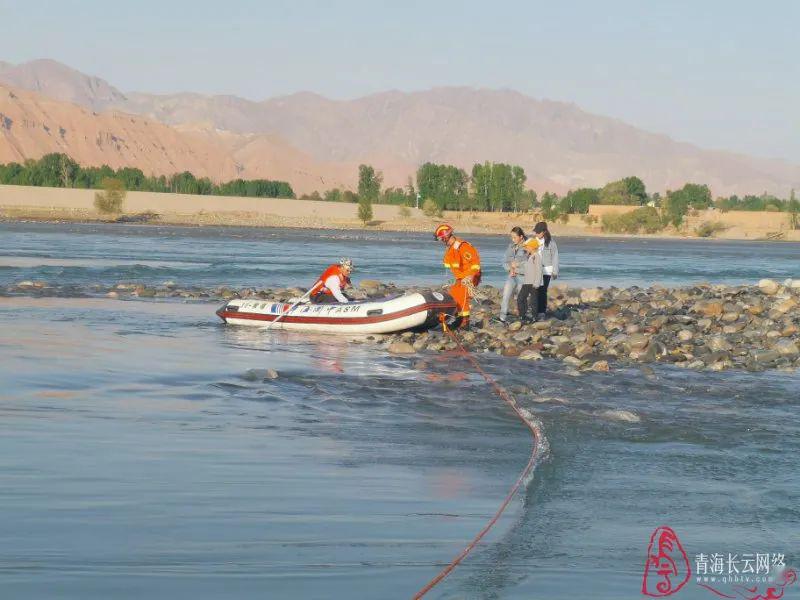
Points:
point(560, 145)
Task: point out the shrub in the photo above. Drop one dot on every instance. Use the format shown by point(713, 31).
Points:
point(111, 198)
point(349, 196)
point(644, 219)
point(431, 209)
point(405, 212)
point(709, 229)
point(589, 219)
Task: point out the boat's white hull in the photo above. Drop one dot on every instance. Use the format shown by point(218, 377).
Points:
point(389, 315)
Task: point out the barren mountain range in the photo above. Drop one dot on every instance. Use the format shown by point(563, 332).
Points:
point(316, 143)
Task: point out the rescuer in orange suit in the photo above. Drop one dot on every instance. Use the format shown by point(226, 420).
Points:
point(464, 261)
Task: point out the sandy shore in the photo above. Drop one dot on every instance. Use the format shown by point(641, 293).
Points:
point(18, 203)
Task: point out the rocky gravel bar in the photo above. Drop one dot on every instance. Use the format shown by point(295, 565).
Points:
point(703, 326)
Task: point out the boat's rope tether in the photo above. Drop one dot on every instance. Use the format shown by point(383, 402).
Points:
point(536, 434)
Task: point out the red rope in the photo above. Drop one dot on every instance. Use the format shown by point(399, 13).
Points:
point(535, 434)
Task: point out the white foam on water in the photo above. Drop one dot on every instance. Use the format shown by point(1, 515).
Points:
point(625, 416)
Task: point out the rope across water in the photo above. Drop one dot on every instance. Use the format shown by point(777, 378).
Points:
point(536, 446)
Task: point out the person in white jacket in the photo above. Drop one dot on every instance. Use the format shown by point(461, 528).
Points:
point(548, 250)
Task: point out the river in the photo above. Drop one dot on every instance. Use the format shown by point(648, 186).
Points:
point(146, 453)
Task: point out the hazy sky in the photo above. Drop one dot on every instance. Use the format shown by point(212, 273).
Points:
point(720, 74)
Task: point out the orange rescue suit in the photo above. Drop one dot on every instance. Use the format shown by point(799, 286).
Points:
point(463, 260)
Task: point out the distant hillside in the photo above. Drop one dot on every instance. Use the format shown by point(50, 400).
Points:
point(559, 145)
point(57, 81)
point(32, 125)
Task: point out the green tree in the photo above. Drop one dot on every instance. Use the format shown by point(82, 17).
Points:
point(636, 189)
point(69, 169)
point(675, 206)
point(518, 179)
point(502, 194)
point(677, 203)
point(411, 192)
point(550, 206)
point(369, 184)
point(364, 209)
point(793, 207)
point(499, 187)
point(397, 196)
point(447, 185)
point(627, 191)
point(333, 195)
point(132, 179)
point(482, 186)
point(528, 201)
point(53, 170)
point(697, 196)
point(578, 201)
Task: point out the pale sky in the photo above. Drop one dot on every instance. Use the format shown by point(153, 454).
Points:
point(721, 74)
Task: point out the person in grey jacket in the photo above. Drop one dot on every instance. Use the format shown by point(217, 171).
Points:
point(513, 262)
point(548, 250)
point(532, 279)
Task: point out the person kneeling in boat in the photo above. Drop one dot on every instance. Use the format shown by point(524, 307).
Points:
point(463, 260)
point(330, 287)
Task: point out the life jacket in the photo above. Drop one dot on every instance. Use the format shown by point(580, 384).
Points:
point(333, 270)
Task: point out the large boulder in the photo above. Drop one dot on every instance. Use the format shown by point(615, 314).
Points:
point(401, 348)
point(786, 347)
point(591, 295)
point(369, 285)
point(638, 341)
point(709, 308)
point(769, 287)
point(785, 305)
point(718, 343)
point(530, 355)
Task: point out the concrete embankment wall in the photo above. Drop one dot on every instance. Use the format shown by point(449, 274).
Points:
point(136, 202)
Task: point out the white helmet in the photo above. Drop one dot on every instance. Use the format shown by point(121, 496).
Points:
point(346, 262)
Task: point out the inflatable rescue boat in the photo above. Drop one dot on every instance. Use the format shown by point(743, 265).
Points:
point(418, 310)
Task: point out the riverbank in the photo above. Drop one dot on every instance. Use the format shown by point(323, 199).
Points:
point(716, 327)
point(21, 204)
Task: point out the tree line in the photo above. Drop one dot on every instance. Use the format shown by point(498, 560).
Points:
point(494, 187)
point(490, 187)
point(498, 187)
point(59, 170)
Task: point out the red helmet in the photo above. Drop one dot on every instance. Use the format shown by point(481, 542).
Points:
point(443, 232)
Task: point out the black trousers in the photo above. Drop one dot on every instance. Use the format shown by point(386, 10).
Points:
point(324, 299)
point(541, 295)
point(526, 294)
